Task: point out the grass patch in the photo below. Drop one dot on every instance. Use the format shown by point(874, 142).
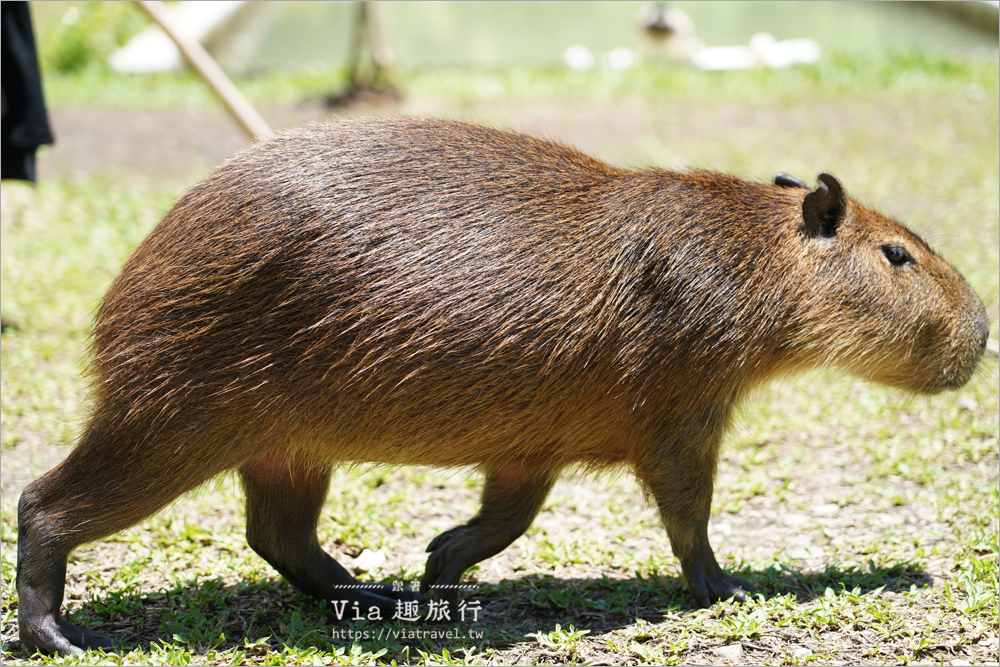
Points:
point(839, 74)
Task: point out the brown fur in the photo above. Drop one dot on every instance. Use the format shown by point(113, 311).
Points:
point(435, 293)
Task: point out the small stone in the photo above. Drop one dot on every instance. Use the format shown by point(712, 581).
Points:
point(975, 93)
point(891, 519)
point(721, 527)
point(368, 560)
point(730, 652)
point(958, 662)
point(826, 509)
point(802, 652)
point(806, 552)
point(795, 520)
point(967, 403)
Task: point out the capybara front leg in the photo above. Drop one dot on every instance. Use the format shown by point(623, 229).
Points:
point(512, 497)
point(284, 499)
point(682, 487)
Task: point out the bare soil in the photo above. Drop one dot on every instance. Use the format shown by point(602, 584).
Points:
point(182, 145)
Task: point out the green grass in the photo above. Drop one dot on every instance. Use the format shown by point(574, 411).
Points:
point(868, 519)
point(840, 74)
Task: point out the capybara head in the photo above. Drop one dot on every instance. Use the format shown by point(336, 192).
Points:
point(880, 303)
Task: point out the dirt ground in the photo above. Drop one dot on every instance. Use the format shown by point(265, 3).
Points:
point(182, 145)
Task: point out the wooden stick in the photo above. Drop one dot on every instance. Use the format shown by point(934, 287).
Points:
point(209, 70)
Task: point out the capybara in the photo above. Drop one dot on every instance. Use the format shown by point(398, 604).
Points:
point(425, 292)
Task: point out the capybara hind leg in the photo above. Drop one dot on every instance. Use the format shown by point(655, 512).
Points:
point(41, 578)
point(512, 497)
point(105, 485)
point(684, 496)
point(284, 499)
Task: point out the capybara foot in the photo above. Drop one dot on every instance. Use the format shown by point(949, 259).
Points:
point(53, 634)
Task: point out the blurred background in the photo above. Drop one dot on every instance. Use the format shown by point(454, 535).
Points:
point(898, 99)
point(624, 79)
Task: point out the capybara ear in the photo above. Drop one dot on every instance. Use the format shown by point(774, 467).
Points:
point(788, 181)
point(824, 208)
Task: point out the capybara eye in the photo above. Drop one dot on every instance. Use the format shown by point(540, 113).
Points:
point(897, 256)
